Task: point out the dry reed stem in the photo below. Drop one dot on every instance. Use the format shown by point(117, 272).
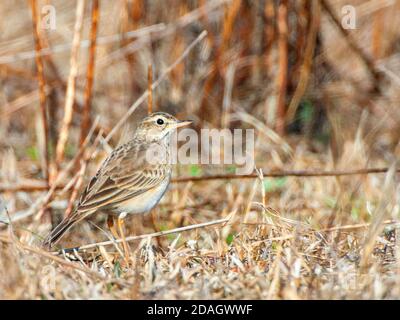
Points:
point(377, 31)
point(269, 13)
point(178, 73)
point(42, 92)
point(131, 21)
point(177, 49)
point(150, 89)
point(303, 11)
point(70, 94)
point(305, 68)
point(227, 98)
point(283, 63)
point(231, 14)
point(85, 125)
point(136, 11)
point(269, 35)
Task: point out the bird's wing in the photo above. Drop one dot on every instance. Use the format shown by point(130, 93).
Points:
point(123, 175)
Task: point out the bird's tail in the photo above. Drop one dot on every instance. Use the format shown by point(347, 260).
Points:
point(56, 234)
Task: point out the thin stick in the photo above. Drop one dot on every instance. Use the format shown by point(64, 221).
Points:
point(155, 85)
point(285, 173)
point(85, 125)
point(150, 235)
point(70, 95)
point(42, 93)
point(36, 187)
point(150, 89)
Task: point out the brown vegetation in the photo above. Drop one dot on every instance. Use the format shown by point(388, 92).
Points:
point(319, 220)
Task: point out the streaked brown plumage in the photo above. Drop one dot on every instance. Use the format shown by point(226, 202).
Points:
point(127, 181)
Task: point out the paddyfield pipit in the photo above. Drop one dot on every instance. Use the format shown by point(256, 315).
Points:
point(130, 180)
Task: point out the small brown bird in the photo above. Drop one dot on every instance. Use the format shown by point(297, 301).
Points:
point(129, 181)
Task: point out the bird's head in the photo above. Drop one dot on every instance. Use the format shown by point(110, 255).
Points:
point(158, 126)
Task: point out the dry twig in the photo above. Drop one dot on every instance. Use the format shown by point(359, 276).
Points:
point(70, 95)
point(271, 174)
point(85, 125)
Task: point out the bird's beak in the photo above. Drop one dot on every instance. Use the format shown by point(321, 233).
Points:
point(183, 123)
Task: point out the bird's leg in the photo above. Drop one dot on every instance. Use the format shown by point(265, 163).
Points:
point(121, 218)
point(111, 226)
point(156, 229)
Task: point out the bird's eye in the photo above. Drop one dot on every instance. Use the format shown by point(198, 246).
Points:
point(160, 121)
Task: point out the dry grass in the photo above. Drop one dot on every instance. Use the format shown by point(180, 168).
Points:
point(290, 237)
